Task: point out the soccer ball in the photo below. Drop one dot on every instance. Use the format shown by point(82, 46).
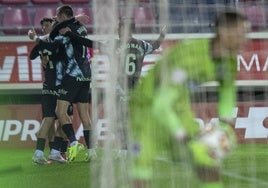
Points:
point(217, 142)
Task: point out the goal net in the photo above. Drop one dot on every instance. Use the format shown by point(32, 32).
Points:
point(185, 20)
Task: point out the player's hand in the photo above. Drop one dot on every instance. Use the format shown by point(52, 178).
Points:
point(31, 34)
point(82, 18)
point(63, 31)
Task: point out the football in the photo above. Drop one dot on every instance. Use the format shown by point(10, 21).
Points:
point(217, 141)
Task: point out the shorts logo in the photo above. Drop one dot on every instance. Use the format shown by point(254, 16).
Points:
point(49, 92)
point(62, 92)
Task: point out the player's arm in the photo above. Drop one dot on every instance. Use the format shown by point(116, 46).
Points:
point(40, 41)
point(76, 38)
point(33, 36)
point(50, 46)
point(225, 74)
point(59, 26)
point(82, 18)
point(160, 39)
point(34, 52)
point(150, 47)
point(163, 104)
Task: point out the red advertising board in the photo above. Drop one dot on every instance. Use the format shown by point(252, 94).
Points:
point(252, 63)
point(16, 67)
point(20, 123)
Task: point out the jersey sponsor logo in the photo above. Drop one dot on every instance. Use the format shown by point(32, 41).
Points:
point(82, 79)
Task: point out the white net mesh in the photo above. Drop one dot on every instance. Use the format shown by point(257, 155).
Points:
point(184, 20)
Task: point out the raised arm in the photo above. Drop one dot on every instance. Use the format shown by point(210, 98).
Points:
point(160, 39)
point(77, 38)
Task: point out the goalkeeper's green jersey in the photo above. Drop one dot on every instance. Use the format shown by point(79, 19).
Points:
point(163, 92)
point(160, 104)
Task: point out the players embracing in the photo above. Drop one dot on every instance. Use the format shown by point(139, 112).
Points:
point(68, 36)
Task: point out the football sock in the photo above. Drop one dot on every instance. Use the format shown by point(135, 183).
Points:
point(69, 131)
point(57, 143)
point(40, 145)
point(87, 137)
point(50, 144)
point(64, 146)
point(54, 151)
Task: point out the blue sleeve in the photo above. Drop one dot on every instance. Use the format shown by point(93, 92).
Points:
point(148, 47)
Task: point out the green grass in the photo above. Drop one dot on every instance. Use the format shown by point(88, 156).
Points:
point(18, 171)
point(247, 167)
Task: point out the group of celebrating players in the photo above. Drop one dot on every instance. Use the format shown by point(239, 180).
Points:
point(64, 58)
point(159, 112)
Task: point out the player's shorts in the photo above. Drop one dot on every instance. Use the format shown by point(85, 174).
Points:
point(90, 95)
point(74, 89)
point(49, 103)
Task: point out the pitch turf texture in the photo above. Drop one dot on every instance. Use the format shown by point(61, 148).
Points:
point(247, 167)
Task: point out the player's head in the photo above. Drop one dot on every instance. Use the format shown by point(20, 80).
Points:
point(231, 29)
point(64, 12)
point(126, 27)
point(46, 25)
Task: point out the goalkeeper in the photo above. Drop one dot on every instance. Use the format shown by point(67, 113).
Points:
point(160, 107)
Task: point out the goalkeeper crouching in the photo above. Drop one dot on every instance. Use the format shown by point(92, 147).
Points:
point(160, 107)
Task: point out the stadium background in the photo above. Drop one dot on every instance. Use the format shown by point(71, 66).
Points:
point(20, 78)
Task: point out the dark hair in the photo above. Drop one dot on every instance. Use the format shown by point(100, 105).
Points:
point(124, 22)
point(229, 18)
point(67, 10)
point(45, 19)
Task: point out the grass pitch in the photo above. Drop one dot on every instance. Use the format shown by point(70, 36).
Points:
point(247, 167)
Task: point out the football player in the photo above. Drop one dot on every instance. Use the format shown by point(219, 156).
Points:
point(160, 106)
